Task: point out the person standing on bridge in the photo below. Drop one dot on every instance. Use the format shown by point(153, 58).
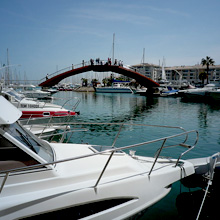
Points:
point(120, 63)
point(97, 61)
point(91, 62)
point(109, 61)
point(47, 76)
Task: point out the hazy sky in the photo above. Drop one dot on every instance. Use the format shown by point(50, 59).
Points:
point(45, 35)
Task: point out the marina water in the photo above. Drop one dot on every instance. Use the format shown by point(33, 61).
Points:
point(169, 111)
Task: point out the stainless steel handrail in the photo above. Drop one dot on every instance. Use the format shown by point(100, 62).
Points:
point(112, 151)
point(76, 104)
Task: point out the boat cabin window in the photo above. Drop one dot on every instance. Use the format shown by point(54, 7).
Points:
point(12, 157)
point(30, 141)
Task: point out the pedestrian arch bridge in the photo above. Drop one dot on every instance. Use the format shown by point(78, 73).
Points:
point(56, 77)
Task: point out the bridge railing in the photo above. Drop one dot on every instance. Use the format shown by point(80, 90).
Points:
point(64, 70)
point(86, 63)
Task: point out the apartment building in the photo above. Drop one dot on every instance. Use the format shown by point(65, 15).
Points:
point(185, 73)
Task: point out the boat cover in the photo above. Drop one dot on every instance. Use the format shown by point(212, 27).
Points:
point(8, 112)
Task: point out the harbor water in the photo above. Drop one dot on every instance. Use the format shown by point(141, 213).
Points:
point(165, 111)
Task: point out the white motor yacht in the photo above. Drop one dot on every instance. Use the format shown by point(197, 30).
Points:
point(41, 179)
point(31, 91)
point(115, 88)
point(34, 109)
point(198, 93)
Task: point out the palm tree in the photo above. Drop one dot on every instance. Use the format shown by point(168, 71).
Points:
point(84, 82)
point(207, 62)
point(105, 81)
point(94, 82)
point(203, 76)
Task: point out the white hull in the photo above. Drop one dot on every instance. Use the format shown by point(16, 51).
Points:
point(40, 94)
point(198, 93)
point(35, 109)
point(113, 90)
point(31, 91)
point(72, 184)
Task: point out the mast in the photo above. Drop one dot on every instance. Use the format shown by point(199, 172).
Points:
point(143, 56)
point(7, 74)
point(163, 70)
point(113, 48)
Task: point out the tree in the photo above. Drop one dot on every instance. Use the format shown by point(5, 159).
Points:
point(84, 82)
point(207, 62)
point(105, 81)
point(94, 82)
point(203, 76)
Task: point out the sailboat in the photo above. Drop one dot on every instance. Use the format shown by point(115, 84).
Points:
point(163, 76)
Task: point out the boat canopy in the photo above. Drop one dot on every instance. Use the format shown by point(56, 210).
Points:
point(9, 113)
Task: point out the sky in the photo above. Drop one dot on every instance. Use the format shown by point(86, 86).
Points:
point(42, 36)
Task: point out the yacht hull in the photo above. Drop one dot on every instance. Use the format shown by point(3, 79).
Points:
point(72, 185)
point(113, 90)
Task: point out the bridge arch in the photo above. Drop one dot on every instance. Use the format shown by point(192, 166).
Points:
point(55, 78)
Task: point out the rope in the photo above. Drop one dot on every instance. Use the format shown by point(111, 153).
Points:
point(209, 183)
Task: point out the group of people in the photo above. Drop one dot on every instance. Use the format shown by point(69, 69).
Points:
point(98, 62)
point(108, 62)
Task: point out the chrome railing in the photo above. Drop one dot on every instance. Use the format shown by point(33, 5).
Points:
point(113, 149)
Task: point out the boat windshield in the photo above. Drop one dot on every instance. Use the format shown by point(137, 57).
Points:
point(15, 94)
point(30, 141)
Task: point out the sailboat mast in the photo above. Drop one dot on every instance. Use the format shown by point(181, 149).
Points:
point(113, 48)
point(7, 72)
point(163, 70)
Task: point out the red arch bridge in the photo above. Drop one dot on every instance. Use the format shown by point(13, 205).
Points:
point(56, 77)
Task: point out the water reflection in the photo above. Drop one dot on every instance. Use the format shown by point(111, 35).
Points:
point(171, 111)
point(111, 107)
point(202, 115)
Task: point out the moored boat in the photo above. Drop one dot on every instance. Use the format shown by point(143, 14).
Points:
point(214, 95)
point(34, 109)
point(199, 93)
point(42, 179)
point(168, 91)
point(115, 88)
point(31, 91)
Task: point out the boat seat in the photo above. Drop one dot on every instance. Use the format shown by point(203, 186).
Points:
point(10, 164)
point(13, 157)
